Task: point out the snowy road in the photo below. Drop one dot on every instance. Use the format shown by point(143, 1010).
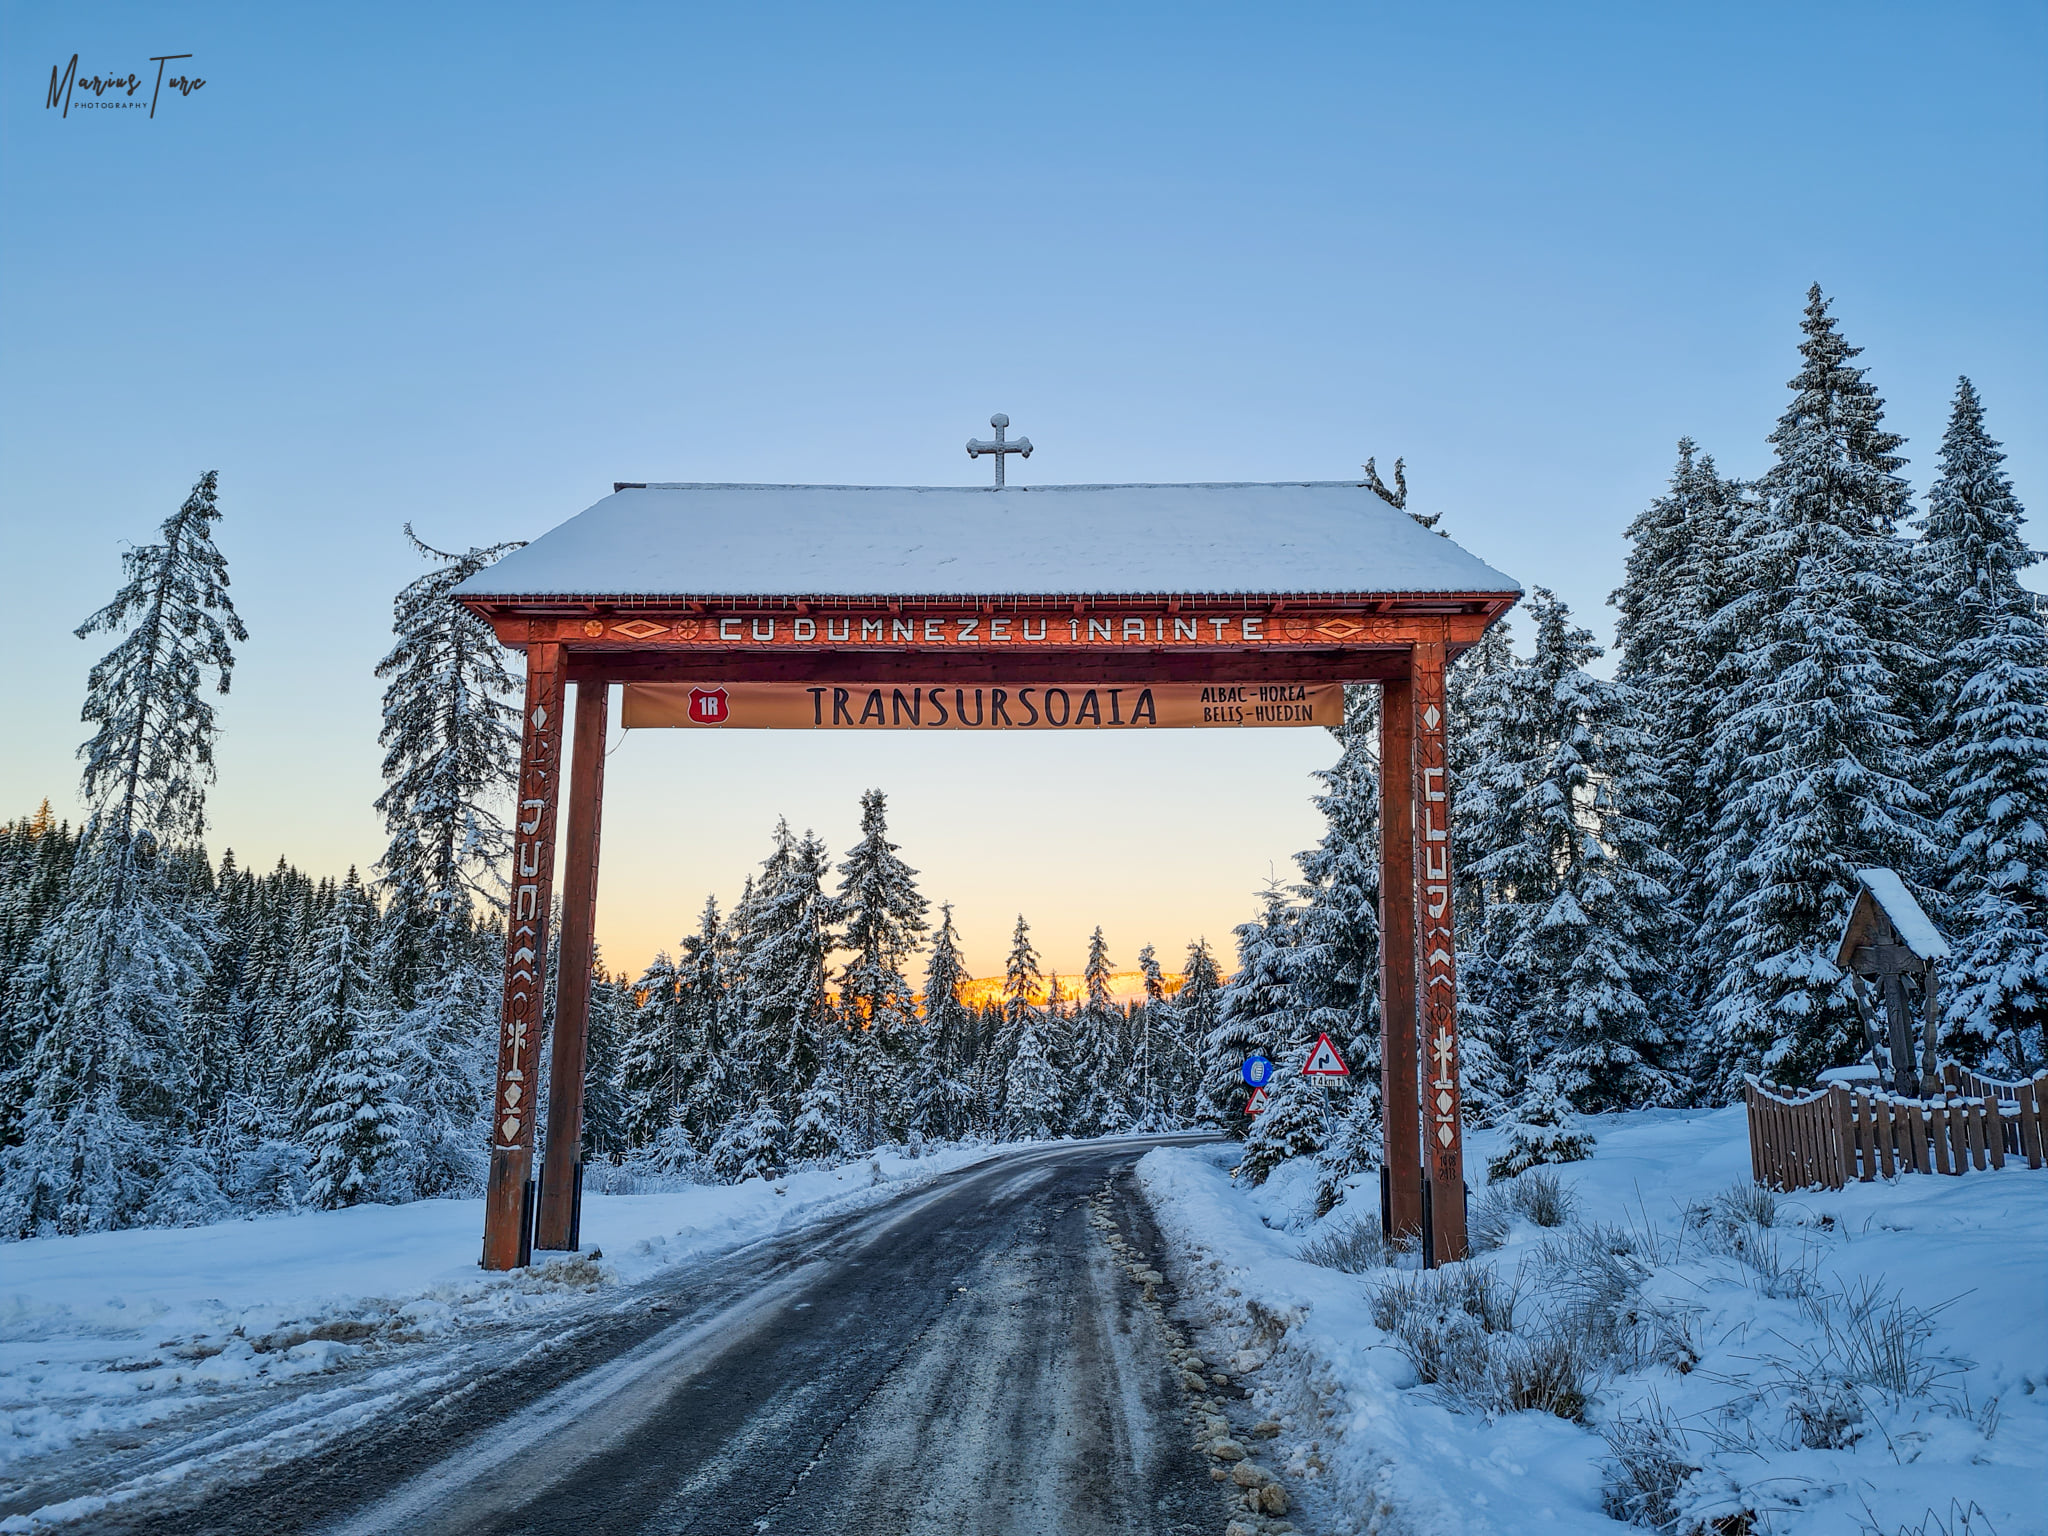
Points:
point(968, 1358)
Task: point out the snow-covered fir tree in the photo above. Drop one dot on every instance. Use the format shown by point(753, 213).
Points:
point(1682, 570)
point(1023, 984)
point(943, 1093)
point(1103, 1101)
point(151, 753)
point(819, 1131)
point(1990, 722)
point(98, 998)
point(1560, 792)
point(351, 1115)
point(1219, 1044)
point(1031, 1083)
point(884, 915)
point(1813, 759)
point(451, 742)
point(650, 1082)
point(1258, 1014)
point(99, 1005)
point(1540, 1130)
point(788, 938)
point(1332, 969)
point(1334, 943)
point(604, 1109)
point(751, 1145)
point(1153, 1037)
point(703, 1077)
point(450, 762)
point(1296, 1121)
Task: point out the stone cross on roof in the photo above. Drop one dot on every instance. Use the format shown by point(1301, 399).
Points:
point(976, 447)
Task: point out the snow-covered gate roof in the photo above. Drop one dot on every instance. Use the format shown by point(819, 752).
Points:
point(1295, 538)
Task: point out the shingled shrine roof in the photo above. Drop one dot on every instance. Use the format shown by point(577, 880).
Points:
point(1296, 538)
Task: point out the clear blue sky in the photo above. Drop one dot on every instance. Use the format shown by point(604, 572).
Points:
point(466, 265)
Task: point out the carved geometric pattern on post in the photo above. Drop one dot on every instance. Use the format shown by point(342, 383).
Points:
point(1444, 1142)
point(532, 885)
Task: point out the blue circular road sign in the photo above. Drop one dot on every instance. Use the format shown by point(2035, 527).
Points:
point(1257, 1071)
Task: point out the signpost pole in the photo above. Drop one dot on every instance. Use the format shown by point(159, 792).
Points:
point(1398, 939)
point(506, 1199)
point(556, 1227)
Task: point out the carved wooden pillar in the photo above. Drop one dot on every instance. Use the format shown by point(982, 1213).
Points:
point(1443, 1140)
point(1398, 1062)
point(526, 947)
point(556, 1225)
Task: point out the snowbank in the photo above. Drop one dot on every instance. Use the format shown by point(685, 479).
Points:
point(115, 1330)
point(1373, 1449)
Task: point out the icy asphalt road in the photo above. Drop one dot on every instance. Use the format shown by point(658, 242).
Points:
point(969, 1358)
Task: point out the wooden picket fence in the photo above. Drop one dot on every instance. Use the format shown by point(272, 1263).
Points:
point(1829, 1137)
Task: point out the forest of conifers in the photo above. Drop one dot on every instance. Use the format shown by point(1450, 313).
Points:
point(1813, 676)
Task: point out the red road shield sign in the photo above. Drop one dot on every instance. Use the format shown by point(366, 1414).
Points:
point(708, 706)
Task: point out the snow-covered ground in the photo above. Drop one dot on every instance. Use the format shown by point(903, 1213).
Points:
point(1767, 1347)
point(112, 1332)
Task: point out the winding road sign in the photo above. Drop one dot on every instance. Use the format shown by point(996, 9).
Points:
point(1324, 1061)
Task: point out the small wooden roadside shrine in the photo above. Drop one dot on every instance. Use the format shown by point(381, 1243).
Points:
point(1888, 939)
point(1097, 607)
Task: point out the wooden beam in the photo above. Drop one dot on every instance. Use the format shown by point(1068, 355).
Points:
point(1327, 665)
point(526, 947)
point(1443, 1142)
point(954, 626)
point(555, 1225)
point(1399, 1106)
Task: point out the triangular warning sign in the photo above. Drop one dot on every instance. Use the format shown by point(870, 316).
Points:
point(1256, 1102)
point(1324, 1061)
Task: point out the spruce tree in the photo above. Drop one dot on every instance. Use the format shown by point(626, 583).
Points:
point(706, 1079)
point(151, 754)
point(885, 921)
point(1991, 727)
point(451, 743)
point(1541, 1130)
point(351, 1114)
point(1576, 905)
point(1023, 982)
point(751, 1145)
point(1202, 1040)
point(1148, 1049)
point(1813, 759)
point(1031, 1085)
point(944, 1093)
point(1257, 1014)
point(788, 928)
point(1100, 1069)
point(604, 1105)
point(100, 1005)
point(1682, 569)
point(1296, 1121)
point(99, 995)
point(884, 913)
point(650, 1081)
point(1332, 969)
